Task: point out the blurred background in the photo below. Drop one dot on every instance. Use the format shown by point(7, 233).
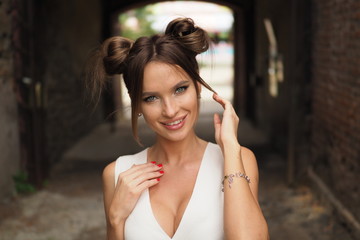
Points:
point(290, 67)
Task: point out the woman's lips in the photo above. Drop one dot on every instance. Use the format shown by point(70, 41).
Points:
point(175, 124)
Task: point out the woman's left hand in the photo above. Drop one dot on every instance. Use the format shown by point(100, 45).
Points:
point(225, 129)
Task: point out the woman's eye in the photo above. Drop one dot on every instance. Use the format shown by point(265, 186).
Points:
point(181, 89)
point(150, 99)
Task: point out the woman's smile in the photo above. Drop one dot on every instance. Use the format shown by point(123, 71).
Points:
point(170, 103)
point(161, 74)
point(175, 124)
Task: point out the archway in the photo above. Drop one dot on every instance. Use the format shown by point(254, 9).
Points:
point(216, 65)
point(243, 93)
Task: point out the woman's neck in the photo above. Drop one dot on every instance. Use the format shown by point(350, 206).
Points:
point(176, 153)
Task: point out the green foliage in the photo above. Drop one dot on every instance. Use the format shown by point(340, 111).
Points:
point(143, 27)
point(225, 36)
point(22, 184)
point(45, 183)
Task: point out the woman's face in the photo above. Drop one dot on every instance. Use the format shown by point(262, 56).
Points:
point(169, 101)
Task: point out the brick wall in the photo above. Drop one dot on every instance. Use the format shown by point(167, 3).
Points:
point(9, 134)
point(336, 98)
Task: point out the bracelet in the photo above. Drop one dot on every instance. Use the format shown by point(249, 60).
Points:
point(231, 176)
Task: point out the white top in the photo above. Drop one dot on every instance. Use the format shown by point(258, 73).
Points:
point(203, 216)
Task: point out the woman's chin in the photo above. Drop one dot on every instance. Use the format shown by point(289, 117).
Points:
point(176, 136)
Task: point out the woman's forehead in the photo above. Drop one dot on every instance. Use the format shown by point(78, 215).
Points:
point(159, 74)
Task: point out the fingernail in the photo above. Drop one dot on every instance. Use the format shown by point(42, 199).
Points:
point(153, 162)
point(158, 179)
point(162, 172)
point(160, 165)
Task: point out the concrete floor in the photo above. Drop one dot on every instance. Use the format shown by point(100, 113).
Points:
point(70, 206)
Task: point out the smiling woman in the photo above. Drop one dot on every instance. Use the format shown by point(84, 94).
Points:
point(168, 190)
point(170, 101)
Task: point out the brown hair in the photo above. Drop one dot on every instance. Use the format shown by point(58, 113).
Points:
point(179, 46)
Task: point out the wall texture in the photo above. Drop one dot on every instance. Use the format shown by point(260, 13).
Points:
point(9, 134)
point(272, 112)
point(336, 98)
point(68, 33)
point(286, 117)
point(52, 48)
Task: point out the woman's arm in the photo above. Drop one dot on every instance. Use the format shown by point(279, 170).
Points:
point(113, 232)
point(120, 200)
point(243, 218)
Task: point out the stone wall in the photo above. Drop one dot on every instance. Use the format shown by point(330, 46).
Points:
point(9, 133)
point(336, 98)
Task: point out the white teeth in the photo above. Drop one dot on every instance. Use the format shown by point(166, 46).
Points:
point(174, 123)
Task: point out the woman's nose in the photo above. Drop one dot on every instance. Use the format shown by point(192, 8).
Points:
point(169, 108)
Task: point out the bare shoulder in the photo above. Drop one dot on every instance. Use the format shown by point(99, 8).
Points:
point(109, 172)
point(108, 183)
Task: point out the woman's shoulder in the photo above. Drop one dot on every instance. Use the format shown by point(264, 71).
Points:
point(247, 155)
point(109, 171)
point(245, 152)
point(132, 157)
point(214, 152)
point(213, 147)
point(123, 163)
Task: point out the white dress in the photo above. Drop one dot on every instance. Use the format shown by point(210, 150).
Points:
point(203, 216)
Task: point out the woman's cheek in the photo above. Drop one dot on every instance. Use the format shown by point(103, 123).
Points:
point(149, 110)
point(189, 99)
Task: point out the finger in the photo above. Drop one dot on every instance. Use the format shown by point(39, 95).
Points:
point(146, 177)
point(217, 120)
point(149, 168)
point(137, 170)
point(147, 184)
point(136, 167)
point(140, 167)
point(217, 125)
point(226, 104)
point(228, 107)
point(218, 99)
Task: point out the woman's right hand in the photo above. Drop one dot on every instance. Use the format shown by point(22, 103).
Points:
point(129, 187)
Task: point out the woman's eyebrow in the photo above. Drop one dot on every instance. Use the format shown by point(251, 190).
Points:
point(179, 84)
point(148, 94)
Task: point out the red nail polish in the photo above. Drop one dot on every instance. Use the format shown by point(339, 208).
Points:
point(160, 165)
point(158, 179)
point(162, 172)
point(153, 162)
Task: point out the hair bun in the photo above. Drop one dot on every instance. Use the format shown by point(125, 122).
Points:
point(115, 50)
point(194, 38)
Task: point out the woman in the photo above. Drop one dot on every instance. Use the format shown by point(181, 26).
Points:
point(174, 190)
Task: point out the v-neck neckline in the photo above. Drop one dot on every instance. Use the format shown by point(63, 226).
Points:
point(189, 204)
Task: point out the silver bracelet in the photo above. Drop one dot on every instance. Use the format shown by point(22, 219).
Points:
point(231, 176)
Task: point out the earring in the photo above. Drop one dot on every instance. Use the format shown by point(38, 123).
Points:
point(139, 114)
